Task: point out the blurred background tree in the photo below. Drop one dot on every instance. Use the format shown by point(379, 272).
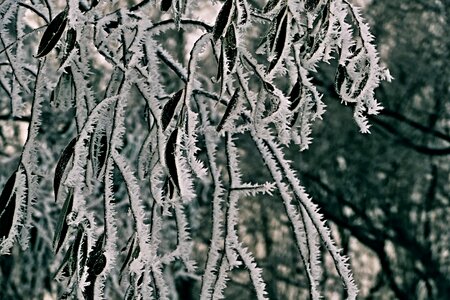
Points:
point(389, 195)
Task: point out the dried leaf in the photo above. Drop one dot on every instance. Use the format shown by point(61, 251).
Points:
point(52, 34)
point(170, 157)
point(222, 20)
point(169, 109)
point(62, 226)
point(166, 4)
point(231, 105)
point(62, 164)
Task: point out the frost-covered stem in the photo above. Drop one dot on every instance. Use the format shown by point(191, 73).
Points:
point(136, 205)
point(13, 68)
point(217, 241)
point(28, 156)
point(76, 174)
point(222, 277)
point(231, 210)
point(232, 240)
point(111, 239)
point(276, 158)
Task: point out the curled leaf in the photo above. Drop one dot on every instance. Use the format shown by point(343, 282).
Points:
point(62, 164)
point(222, 20)
point(230, 107)
point(52, 34)
point(170, 157)
point(169, 109)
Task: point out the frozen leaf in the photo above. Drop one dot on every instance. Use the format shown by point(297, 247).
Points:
point(7, 217)
point(231, 105)
point(7, 191)
point(166, 4)
point(63, 94)
point(222, 20)
point(99, 152)
point(275, 30)
point(230, 48)
point(62, 165)
point(295, 96)
point(311, 4)
point(7, 206)
point(170, 157)
point(169, 109)
point(52, 34)
point(71, 38)
point(64, 266)
point(94, 263)
point(341, 74)
point(62, 226)
point(130, 246)
point(280, 42)
point(242, 12)
point(76, 247)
